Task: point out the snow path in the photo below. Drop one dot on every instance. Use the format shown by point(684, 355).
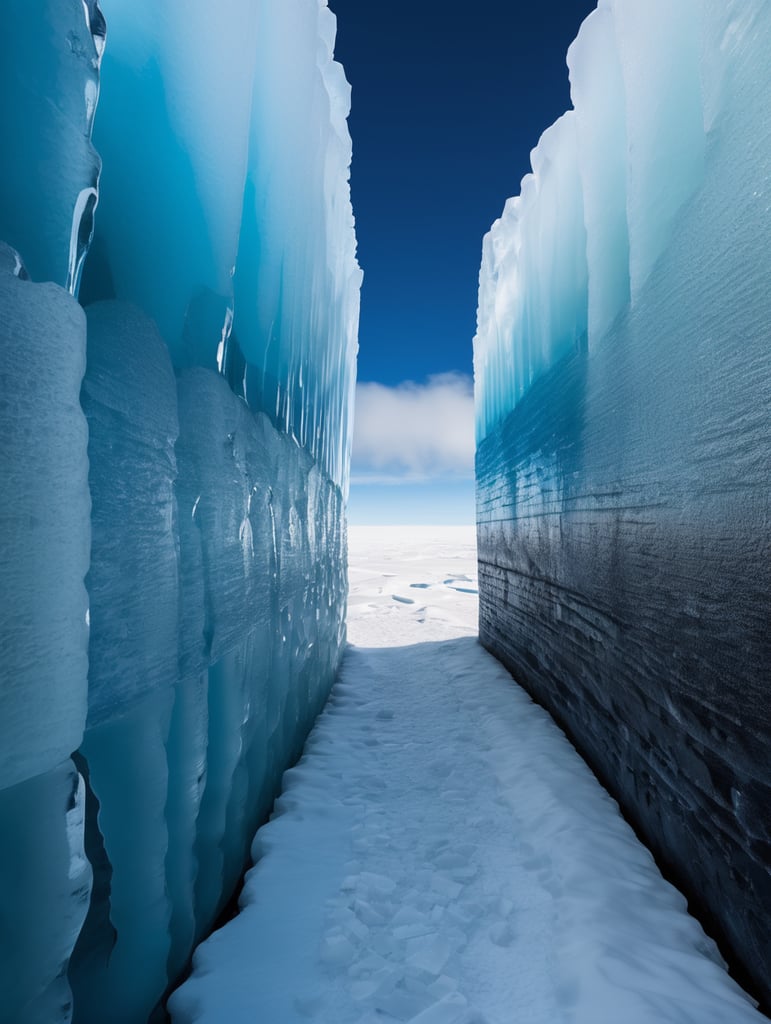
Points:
point(440, 854)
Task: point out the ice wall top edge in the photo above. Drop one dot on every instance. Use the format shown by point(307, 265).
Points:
point(650, 84)
point(225, 208)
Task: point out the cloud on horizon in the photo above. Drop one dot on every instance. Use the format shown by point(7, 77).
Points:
point(413, 433)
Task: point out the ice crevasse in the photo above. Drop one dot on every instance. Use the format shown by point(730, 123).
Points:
point(622, 368)
point(179, 310)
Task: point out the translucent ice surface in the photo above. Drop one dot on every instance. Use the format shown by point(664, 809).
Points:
point(297, 331)
point(241, 244)
point(44, 525)
point(49, 81)
point(45, 878)
point(175, 462)
point(180, 80)
point(622, 464)
point(648, 82)
point(45, 885)
point(129, 396)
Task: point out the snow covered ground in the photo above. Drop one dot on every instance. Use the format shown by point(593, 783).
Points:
point(440, 854)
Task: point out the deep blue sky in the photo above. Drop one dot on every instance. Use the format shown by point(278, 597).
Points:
point(448, 101)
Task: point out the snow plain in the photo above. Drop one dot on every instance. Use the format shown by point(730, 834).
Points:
point(440, 854)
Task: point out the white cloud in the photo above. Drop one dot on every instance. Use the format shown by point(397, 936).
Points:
point(414, 432)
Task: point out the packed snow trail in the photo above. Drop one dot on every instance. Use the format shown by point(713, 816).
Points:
point(441, 854)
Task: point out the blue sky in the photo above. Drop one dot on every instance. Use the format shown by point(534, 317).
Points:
point(448, 101)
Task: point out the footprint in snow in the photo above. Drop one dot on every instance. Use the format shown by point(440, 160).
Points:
point(402, 600)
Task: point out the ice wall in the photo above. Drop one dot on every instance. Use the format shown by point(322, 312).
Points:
point(254, 271)
point(44, 551)
point(175, 468)
point(607, 183)
point(49, 81)
point(622, 377)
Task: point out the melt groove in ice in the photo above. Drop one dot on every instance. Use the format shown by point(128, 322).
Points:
point(175, 467)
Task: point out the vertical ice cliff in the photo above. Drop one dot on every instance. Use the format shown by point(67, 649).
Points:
point(234, 167)
point(622, 372)
point(44, 551)
point(49, 80)
point(174, 471)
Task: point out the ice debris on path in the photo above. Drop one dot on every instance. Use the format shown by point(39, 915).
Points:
point(441, 855)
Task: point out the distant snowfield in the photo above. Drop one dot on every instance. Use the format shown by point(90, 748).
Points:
point(411, 584)
point(440, 854)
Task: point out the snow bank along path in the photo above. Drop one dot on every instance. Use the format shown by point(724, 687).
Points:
point(440, 854)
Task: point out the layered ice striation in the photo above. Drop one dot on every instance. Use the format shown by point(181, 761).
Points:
point(175, 470)
point(622, 373)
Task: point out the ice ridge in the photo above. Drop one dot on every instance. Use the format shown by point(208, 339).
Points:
point(599, 208)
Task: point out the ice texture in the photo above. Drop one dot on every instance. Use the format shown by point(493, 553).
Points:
point(49, 80)
point(172, 132)
point(121, 957)
point(536, 250)
point(518, 894)
point(175, 466)
point(44, 525)
point(45, 888)
point(607, 182)
point(298, 329)
point(244, 162)
point(623, 477)
point(129, 395)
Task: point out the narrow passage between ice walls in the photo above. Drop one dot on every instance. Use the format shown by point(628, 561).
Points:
point(441, 854)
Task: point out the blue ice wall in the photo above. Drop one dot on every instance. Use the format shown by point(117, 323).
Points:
point(49, 81)
point(623, 391)
point(174, 471)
